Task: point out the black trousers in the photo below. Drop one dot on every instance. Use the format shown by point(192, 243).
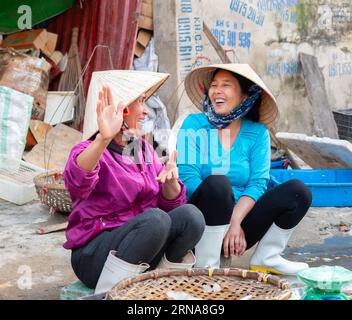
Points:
point(285, 205)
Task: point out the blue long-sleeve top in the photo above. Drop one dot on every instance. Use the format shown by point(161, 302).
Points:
point(246, 164)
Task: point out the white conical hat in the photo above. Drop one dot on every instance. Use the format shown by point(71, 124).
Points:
point(126, 86)
point(200, 78)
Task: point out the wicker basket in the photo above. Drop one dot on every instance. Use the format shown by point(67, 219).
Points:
point(52, 192)
point(201, 284)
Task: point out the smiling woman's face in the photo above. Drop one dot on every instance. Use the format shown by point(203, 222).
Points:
point(136, 113)
point(225, 92)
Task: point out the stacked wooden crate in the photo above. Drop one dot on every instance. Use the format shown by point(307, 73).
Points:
point(145, 27)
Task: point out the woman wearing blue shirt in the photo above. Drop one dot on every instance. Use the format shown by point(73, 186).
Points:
point(224, 161)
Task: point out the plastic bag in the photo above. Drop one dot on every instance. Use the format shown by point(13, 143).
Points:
point(25, 74)
point(157, 121)
point(15, 113)
point(149, 60)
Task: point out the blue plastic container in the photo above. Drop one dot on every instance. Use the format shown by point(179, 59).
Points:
point(329, 187)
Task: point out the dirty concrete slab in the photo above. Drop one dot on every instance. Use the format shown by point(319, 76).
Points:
point(319, 153)
point(34, 266)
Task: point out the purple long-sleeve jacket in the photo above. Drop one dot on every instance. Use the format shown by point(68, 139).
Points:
point(113, 193)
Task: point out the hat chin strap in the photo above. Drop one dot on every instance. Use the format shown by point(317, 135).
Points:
point(129, 138)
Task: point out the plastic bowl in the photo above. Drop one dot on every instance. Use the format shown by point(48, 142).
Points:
point(326, 278)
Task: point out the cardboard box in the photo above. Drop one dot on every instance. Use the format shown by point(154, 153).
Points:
point(36, 39)
point(145, 22)
point(147, 10)
point(56, 57)
point(39, 129)
point(60, 106)
point(144, 37)
point(139, 49)
point(50, 45)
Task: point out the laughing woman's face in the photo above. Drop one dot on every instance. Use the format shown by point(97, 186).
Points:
point(137, 113)
point(225, 92)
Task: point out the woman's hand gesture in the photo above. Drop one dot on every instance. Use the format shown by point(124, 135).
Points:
point(170, 172)
point(234, 242)
point(109, 118)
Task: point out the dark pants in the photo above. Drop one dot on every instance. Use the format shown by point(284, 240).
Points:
point(146, 238)
point(285, 205)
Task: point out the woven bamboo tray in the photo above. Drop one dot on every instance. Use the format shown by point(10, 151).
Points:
point(51, 191)
point(201, 284)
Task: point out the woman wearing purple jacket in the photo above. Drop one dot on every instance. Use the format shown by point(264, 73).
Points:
point(129, 212)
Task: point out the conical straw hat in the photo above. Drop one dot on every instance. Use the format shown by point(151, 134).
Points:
point(126, 86)
point(200, 78)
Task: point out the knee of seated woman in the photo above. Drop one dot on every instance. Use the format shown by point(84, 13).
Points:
point(158, 219)
point(192, 215)
point(217, 185)
point(300, 190)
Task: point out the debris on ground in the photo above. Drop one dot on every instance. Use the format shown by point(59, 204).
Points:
point(344, 228)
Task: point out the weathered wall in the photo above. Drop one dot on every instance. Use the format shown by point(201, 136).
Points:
point(269, 34)
point(178, 40)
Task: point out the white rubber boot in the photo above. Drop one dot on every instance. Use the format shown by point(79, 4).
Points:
point(266, 257)
point(208, 249)
point(188, 262)
point(116, 270)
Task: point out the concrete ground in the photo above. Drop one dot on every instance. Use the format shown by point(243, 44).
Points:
point(34, 266)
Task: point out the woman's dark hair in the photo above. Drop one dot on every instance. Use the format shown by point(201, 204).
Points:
point(245, 84)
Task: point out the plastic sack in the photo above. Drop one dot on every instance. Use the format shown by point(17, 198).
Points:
point(149, 60)
point(157, 121)
point(15, 113)
point(25, 74)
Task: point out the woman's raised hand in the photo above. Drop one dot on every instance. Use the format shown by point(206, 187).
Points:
point(170, 172)
point(109, 118)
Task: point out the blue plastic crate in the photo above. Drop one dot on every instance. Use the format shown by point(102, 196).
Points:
point(329, 187)
point(280, 164)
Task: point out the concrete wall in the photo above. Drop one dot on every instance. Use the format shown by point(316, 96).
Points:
point(178, 40)
point(269, 34)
